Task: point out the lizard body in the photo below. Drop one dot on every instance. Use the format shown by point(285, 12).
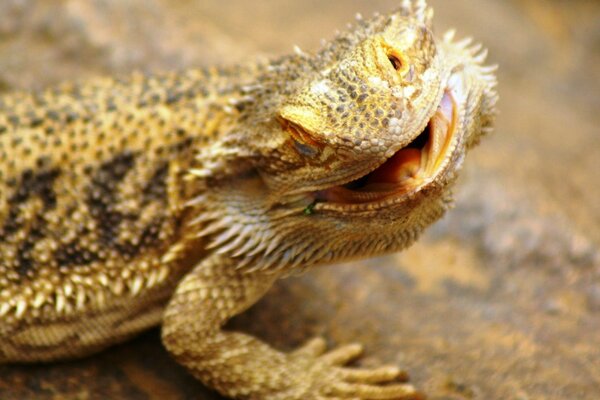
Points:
point(180, 198)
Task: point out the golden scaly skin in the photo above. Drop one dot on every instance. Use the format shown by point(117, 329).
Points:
point(196, 191)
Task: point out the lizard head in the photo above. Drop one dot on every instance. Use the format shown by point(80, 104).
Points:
point(389, 111)
point(373, 129)
point(382, 128)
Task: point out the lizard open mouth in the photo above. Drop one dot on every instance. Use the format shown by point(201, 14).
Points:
point(408, 169)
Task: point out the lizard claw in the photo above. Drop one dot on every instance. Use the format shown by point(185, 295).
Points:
point(328, 378)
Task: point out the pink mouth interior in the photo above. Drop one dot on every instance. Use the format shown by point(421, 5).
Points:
point(406, 170)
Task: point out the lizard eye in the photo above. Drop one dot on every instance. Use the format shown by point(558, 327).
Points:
point(398, 62)
point(303, 141)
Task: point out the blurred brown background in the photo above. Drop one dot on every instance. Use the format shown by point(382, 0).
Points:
point(500, 300)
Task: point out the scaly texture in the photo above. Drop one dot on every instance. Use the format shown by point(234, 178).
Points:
point(196, 191)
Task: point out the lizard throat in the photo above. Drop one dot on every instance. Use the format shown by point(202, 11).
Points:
point(408, 170)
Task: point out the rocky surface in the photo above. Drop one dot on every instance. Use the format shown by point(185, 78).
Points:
point(500, 300)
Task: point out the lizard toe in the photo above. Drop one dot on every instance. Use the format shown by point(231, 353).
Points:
point(401, 391)
point(313, 348)
point(325, 377)
point(343, 355)
point(377, 375)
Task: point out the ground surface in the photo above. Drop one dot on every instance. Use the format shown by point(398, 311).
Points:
point(501, 300)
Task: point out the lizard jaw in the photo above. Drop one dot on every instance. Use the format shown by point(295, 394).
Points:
point(408, 171)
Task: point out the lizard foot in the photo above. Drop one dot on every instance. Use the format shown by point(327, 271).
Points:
point(327, 379)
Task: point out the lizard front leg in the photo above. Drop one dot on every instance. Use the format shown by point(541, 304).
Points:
point(241, 366)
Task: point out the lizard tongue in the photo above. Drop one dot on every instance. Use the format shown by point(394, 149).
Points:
point(403, 166)
point(399, 173)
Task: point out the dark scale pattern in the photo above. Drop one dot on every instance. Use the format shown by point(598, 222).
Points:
point(156, 187)
point(72, 254)
point(85, 173)
point(25, 261)
point(148, 238)
point(31, 185)
point(102, 199)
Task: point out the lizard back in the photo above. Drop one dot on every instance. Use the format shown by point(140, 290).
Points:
point(92, 194)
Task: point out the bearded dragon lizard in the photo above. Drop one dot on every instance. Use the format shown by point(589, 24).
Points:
point(178, 199)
